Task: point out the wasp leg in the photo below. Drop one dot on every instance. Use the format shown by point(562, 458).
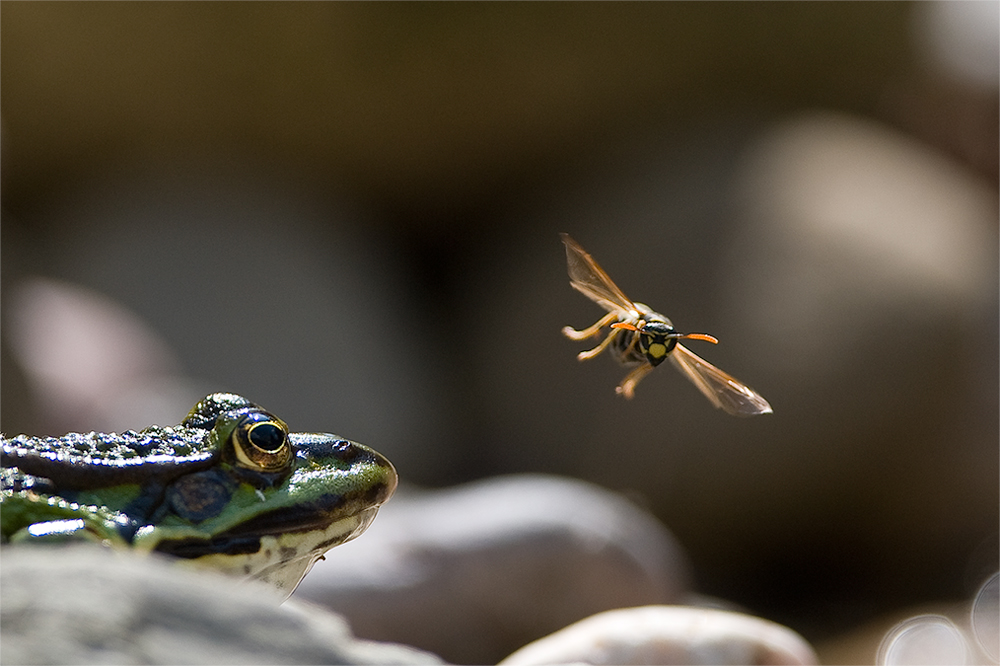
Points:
point(590, 331)
point(591, 353)
point(627, 387)
point(631, 346)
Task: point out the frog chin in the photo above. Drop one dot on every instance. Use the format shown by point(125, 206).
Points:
point(282, 560)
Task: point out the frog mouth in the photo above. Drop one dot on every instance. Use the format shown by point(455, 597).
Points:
point(280, 559)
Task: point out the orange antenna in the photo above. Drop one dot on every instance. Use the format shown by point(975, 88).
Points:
point(699, 336)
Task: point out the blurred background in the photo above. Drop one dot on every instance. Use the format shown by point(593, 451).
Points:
point(349, 213)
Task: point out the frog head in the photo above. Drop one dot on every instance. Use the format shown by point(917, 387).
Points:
point(274, 502)
point(229, 488)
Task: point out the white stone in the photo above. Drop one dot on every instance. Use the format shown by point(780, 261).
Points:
point(668, 635)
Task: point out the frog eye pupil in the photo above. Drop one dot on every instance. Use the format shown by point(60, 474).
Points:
point(260, 442)
point(267, 436)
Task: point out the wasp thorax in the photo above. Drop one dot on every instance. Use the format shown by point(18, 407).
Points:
point(655, 340)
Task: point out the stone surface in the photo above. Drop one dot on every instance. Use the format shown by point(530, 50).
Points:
point(668, 635)
point(85, 604)
point(476, 571)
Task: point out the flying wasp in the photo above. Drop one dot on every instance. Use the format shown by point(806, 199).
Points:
point(642, 338)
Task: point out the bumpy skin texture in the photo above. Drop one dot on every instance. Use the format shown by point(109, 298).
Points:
point(79, 461)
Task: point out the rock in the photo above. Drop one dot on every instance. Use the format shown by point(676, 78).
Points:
point(474, 572)
point(92, 363)
point(668, 635)
point(84, 604)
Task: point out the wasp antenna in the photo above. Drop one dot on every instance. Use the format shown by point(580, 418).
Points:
point(700, 336)
point(625, 325)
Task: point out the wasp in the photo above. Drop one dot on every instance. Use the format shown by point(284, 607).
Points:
point(642, 338)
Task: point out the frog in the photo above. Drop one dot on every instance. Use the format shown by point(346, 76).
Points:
point(229, 488)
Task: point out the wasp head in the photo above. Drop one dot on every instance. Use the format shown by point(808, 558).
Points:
point(656, 340)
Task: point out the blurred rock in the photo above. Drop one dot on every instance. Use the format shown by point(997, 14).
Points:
point(865, 273)
point(960, 40)
point(476, 571)
point(950, 100)
point(923, 639)
point(857, 226)
point(88, 605)
point(984, 618)
point(668, 635)
point(91, 363)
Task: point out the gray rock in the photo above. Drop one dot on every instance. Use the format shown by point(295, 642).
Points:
point(474, 572)
point(85, 604)
point(668, 635)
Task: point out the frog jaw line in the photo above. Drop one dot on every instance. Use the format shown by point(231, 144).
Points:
point(283, 559)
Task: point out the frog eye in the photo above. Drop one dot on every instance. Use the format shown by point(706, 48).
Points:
point(261, 443)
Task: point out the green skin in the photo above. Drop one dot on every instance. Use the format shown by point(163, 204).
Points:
point(229, 488)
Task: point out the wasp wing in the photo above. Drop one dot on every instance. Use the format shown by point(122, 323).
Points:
point(590, 279)
point(723, 390)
